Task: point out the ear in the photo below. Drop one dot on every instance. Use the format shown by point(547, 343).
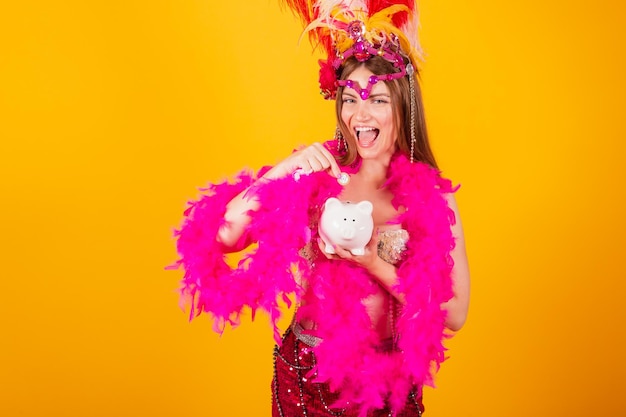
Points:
point(365, 206)
point(332, 202)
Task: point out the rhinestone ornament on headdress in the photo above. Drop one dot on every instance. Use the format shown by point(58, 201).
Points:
point(363, 50)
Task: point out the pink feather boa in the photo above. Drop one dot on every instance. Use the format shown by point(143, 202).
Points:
point(347, 358)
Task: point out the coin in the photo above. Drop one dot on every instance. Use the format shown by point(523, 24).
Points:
point(344, 178)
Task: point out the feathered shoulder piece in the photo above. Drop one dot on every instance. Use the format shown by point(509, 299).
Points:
point(360, 29)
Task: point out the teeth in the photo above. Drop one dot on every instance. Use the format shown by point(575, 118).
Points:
point(363, 129)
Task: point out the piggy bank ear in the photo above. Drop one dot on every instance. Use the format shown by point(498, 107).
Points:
point(332, 202)
point(365, 207)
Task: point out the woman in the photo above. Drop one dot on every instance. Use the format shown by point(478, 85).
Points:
point(368, 328)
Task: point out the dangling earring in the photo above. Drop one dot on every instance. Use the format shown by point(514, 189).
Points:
point(341, 141)
point(410, 72)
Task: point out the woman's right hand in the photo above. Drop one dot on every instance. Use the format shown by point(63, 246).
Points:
point(313, 158)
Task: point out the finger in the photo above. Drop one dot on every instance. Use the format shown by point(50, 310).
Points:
point(302, 166)
point(329, 255)
point(317, 163)
point(310, 159)
point(343, 253)
point(317, 158)
point(332, 162)
point(322, 247)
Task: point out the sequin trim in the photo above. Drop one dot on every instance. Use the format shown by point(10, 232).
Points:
point(314, 394)
point(392, 244)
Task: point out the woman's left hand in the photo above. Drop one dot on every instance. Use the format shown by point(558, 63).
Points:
point(368, 260)
point(384, 272)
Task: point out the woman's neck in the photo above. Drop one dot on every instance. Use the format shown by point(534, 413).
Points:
point(374, 171)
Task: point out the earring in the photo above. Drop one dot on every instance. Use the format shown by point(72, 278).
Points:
point(410, 71)
point(341, 141)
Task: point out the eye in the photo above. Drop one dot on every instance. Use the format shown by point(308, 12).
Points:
point(347, 100)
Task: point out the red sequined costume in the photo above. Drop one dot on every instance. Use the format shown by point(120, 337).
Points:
point(294, 392)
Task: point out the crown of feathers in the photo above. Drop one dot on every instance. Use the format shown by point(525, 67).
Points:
point(360, 29)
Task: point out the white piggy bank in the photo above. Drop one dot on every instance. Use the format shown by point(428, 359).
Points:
point(347, 225)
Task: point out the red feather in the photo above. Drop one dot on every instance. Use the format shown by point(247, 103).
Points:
point(301, 8)
point(399, 19)
point(306, 11)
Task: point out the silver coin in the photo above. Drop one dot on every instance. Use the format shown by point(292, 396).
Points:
point(344, 178)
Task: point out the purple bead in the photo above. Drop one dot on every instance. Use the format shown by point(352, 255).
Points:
point(360, 51)
point(355, 29)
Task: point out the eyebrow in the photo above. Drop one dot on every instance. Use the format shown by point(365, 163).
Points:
point(354, 95)
point(380, 95)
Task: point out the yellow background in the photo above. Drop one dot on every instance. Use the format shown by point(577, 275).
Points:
point(113, 112)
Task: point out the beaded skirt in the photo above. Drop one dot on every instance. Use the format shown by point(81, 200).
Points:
point(294, 394)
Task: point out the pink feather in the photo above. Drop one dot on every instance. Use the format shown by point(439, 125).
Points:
point(347, 358)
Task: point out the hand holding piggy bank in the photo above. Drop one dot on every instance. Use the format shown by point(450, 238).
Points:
point(347, 225)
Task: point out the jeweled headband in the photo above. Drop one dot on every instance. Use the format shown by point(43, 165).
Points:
point(362, 50)
point(360, 29)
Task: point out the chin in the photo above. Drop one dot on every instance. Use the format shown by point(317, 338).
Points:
point(375, 153)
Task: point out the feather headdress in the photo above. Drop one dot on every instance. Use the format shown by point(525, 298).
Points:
point(360, 28)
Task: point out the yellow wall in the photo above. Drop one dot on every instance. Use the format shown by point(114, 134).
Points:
point(113, 112)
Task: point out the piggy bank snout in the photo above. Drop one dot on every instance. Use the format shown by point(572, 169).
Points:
point(348, 231)
point(347, 225)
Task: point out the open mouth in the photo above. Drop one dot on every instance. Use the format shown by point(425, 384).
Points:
point(366, 135)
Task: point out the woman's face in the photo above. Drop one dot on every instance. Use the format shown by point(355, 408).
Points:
point(370, 121)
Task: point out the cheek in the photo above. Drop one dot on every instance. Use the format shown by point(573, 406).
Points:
point(388, 120)
point(346, 116)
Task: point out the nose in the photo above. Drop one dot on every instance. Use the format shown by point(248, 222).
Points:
point(362, 112)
